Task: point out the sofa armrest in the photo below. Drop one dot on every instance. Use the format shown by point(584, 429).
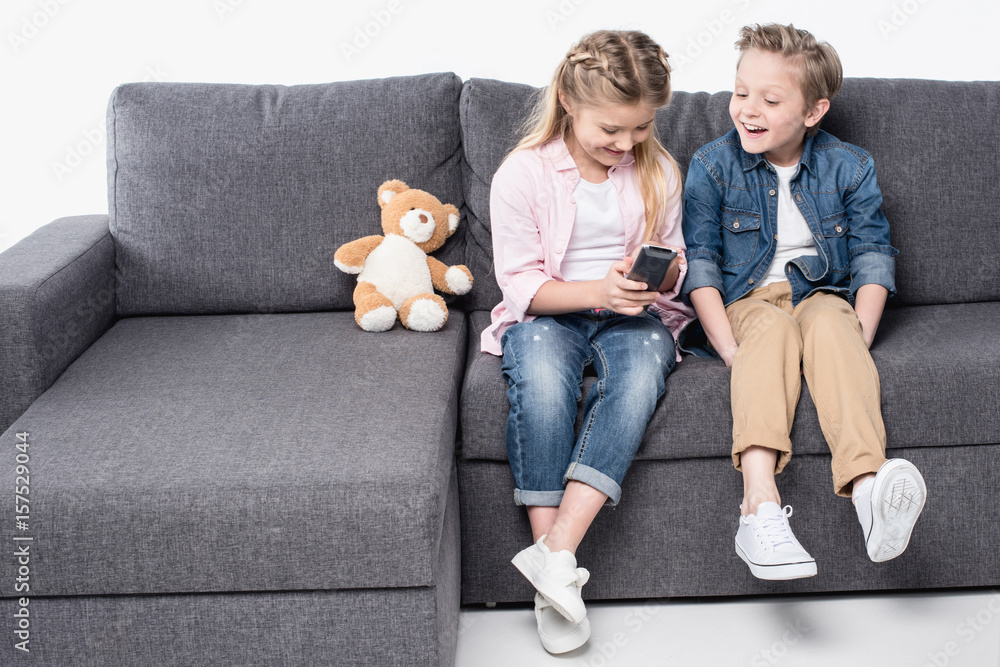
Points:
point(57, 296)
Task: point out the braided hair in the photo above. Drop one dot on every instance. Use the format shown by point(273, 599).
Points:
point(611, 67)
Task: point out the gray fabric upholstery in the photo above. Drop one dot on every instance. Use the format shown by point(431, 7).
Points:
point(937, 155)
point(56, 298)
point(490, 113)
point(356, 628)
point(925, 402)
point(232, 198)
point(343, 628)
point(672, 533)
point(243, 453)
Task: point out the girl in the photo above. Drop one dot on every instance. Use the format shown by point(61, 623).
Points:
point(588, 183)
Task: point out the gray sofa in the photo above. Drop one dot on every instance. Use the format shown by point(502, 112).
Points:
point(225, 470)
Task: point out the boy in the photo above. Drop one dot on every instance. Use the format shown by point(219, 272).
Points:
point(789, 263)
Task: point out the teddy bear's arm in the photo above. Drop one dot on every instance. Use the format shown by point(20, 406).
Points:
point(449, 279)
point(350, 257)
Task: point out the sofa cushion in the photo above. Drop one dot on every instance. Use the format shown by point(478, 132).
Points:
point(490, 113)
point(913, 128)
point(936, 156)
point(233, 198)
point(243, 453)
point(939, 368)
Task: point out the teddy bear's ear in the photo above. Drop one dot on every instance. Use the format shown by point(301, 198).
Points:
point(390, 189)
point(453, 217)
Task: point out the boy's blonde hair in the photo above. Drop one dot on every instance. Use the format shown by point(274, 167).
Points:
point(818, 62)
point(610, 67)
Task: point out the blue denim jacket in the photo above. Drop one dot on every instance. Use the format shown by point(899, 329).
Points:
point(731, 220)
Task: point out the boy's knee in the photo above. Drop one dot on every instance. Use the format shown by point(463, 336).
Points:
point(771, 323)
point(832, 320)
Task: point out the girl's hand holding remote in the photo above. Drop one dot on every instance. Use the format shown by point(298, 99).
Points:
point(622, 295)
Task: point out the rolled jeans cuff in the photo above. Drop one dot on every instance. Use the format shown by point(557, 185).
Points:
point(579, 472)
point(538, 498)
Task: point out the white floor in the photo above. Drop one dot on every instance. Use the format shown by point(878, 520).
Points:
point(924, 629)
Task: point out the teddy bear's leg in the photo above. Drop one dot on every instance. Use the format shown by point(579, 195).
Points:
point(373, 311)
point(424, 312)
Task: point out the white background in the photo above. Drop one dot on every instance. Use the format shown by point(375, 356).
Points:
point(60, 59)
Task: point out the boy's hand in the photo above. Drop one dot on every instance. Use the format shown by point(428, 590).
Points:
point(728, 353)
point(869, 302)
point(868, 335)
point(707, 302)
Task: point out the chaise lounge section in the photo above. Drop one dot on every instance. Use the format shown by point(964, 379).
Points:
point(224, 469)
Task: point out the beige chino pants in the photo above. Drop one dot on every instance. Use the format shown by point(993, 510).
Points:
point(823, 336)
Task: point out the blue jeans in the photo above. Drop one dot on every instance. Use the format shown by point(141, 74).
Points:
point(543, 361)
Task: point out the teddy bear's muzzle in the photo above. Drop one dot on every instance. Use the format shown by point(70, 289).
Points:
point(417, 225)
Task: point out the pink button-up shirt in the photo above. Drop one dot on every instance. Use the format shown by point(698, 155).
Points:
point(532, 212)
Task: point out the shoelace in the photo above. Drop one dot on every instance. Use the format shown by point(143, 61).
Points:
point(777, 529)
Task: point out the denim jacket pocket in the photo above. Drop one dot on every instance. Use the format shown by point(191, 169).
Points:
point(835, 228)
point(741, 232)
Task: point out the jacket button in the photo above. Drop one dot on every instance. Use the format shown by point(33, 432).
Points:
point(751, 281)
point(771, 192)
point(798, 197)
point(775, 237)
point(839, 229)
point(736, 224)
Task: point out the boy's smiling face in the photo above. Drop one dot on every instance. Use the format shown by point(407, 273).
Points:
point(769, 109)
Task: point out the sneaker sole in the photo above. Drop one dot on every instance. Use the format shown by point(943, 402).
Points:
point(781, 572)
point(566, 642)
point(549, 589)
point(897, 500)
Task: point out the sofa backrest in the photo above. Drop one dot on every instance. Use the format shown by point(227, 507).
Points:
point(233, 198)
point(935, 146)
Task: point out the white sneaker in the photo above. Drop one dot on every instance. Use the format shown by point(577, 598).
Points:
point(557, 633)
point(555, 576)
point(889, 508)
point(765, 542)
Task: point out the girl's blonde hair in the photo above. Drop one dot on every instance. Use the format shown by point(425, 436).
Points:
point(611, 67)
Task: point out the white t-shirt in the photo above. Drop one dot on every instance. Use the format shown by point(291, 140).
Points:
point(598, 237)
point(794, 236)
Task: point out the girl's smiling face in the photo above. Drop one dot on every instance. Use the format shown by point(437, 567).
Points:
point(600, 136)
point(768, 107)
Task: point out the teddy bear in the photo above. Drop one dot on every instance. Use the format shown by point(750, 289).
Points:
point(396, 275)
